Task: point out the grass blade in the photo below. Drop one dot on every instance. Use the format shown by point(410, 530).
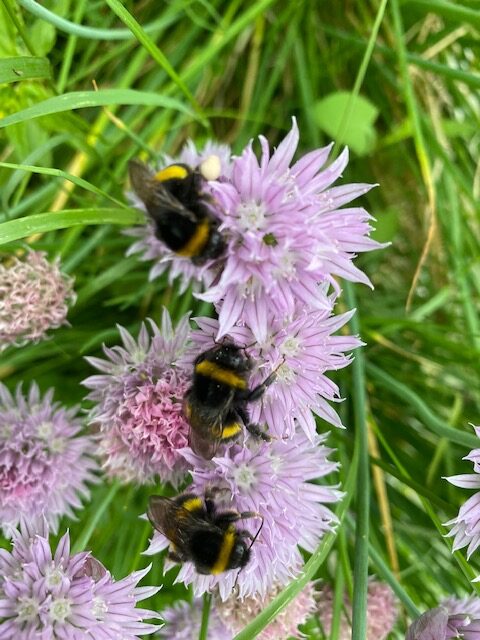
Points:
point(360, 568)
point(421, 409)
point(145, 40)
point(101, 98)
point(43, 222)
point(50, 171)
point(24, 68)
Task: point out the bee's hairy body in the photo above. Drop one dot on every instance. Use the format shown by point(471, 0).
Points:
point(216, 403)
point(179, 209)
point(200, 533)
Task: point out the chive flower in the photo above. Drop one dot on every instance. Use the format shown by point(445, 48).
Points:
point(45, 464)
point(52, 594)
point(382, 612)
point(34, 298)
point(466, 526)
point(138, 404)
point(454, 618)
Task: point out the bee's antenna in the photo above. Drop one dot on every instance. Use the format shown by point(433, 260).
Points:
point(257, 515)
point(249, 514)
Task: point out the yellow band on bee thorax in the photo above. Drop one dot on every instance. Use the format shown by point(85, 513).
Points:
point(225, 551)
point(230, 431)
point(215, 371)
point(192, 504)
point(173, 172)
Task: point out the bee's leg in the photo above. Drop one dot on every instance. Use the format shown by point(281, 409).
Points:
point(254, 429)
point(259, 390)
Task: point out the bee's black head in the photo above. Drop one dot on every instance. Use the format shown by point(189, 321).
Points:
point(240, 554)
point(232, 357)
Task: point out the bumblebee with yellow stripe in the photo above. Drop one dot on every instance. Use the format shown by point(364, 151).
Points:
point(201, 533)
point(179, 208)
point(216, 403)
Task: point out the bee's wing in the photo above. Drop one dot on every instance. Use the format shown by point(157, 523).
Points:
point(155, 196)
point(205, 433)
point(205, 447)
point(159, 512)
point(174, 522)
point(141, 178)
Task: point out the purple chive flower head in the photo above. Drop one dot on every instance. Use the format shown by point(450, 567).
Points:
point(382, 612)
point(287, 233)
point(466, 526)
point(275, 480)
point(301, 350)
point(45, 464)
point(213, 155)
point(184, 619)
point(138, 404)
point(46, 594)
point(454, 618)
point(34, 297)
point(236, 614)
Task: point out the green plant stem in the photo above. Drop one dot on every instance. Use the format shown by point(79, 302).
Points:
point(21, 31)
point(360, 567)
point(207, 603)
point(360, 74)
point(84, 538)
point(74, 29)
point(450, 10)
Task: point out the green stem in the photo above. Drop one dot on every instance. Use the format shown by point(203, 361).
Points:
point(360, 74)
point(450, 10)
point(84, 538)
point(74, 29)
point(21, 31)
point(360, 567)
point(207, 603)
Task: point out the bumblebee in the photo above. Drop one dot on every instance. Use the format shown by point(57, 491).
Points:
point(200, 533)
point(216, 403)
point(179, 209)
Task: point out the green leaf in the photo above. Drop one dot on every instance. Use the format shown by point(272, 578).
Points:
point(24, 68)
point(359, 134)
point(83, 99)
point(43, 222)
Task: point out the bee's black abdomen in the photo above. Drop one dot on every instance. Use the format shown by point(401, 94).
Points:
point(205, 547)
point(175, 231)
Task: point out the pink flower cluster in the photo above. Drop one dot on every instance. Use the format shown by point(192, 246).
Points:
point(382, 612)
point(138, 404)
point(182, 621)
point(45, 464)
point(34, 297)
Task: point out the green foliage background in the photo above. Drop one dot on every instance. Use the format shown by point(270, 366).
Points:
point(398, 82)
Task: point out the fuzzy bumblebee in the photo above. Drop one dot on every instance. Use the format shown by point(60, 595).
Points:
point(216, 403)
point(201, 533)
point(180, 209)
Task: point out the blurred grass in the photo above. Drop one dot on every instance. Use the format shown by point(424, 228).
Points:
point(232, 70)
